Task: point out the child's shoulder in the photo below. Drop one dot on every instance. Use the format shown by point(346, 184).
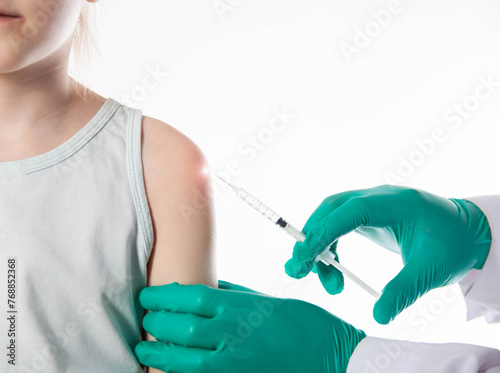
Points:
point(174, 166)
point(166, 148)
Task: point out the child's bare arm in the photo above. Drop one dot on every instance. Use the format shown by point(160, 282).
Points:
point(177, 187)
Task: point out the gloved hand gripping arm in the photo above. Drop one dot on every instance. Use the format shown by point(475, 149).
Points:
point(235, 329)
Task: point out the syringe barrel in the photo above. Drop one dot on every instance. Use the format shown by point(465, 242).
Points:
point(294, 232)
point(257, 205)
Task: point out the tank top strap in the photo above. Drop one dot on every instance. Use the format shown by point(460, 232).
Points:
point(136, 177)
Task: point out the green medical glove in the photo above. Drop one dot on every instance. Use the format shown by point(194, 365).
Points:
point(439, 240)
point(234, 329)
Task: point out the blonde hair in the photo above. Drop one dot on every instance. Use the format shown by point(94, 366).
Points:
point(84, 47)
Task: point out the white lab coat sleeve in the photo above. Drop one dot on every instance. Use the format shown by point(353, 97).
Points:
point(481, 288)
point(377, 355)
point(481, 292)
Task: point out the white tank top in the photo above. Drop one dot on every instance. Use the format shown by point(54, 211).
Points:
point(75, 238)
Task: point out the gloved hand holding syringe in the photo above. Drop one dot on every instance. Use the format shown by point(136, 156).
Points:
point(326, 256)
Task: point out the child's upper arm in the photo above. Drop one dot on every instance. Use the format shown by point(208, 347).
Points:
point(177, 182)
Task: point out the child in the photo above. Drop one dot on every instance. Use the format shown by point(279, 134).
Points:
point(90, 204)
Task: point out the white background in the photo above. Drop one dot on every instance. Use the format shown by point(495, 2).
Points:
point(355, 121)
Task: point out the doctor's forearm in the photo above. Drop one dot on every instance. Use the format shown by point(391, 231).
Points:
point(377, 355)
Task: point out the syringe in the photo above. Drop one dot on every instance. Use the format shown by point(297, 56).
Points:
point(327, 257)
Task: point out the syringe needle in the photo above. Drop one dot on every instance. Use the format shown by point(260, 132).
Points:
point(228, 183)
point(326, 256)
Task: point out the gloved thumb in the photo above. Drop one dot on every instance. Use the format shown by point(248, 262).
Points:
point(401, 292)
point(331, 278)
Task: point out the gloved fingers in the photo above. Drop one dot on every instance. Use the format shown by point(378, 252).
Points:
point(331, 278)
point(401, 292)
point(183, 329)
point(297, 268)
point(225, 285)
point(378, 197)
point(172, 358)
point(346, 218)
point(336, 216)
point(314, 268)
point(327, 206)
point(351, 215)
point(198, 299)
